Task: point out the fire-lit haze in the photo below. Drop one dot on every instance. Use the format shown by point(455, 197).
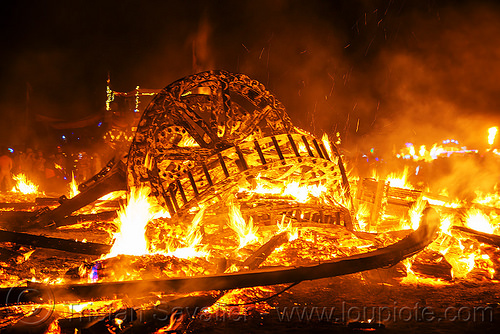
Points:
point(404, 96)
point(379, 73)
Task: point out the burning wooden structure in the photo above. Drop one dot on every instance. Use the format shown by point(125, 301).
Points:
point(236, 183)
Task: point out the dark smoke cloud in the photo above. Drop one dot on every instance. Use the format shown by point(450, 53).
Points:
point(439, 78)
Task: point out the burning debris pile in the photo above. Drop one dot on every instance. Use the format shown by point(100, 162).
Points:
point(219, 204)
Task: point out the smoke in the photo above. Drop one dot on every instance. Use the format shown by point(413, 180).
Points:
point(381, 73)
point(461, 177)
point(441, 82)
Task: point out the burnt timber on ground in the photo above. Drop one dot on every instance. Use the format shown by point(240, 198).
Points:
point(410, 245)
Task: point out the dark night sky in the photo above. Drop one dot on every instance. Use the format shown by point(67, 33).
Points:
point(380, 72)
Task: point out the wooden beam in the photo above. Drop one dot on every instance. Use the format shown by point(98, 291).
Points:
point(261, 254)
point(101, 216)
point(487, 238)
point(115, 180)
point(89, 248)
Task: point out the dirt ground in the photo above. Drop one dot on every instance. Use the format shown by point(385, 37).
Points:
point(360, 302)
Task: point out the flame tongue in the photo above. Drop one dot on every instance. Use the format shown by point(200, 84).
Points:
point(492, 133)
point(477, 220)
point(192, 240)
point(400, 180)
point(246, 232)
point(24, 185)
point(133, 218)
point(73, 190)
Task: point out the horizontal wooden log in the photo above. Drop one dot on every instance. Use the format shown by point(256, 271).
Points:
point(49, 200)
point(19, 220)
point(432, 264)
point(76, 219)
point(18, 206)
point(490, 239)
point(141, 320)
point(41, 201)
point(14, 220)
point(89, 248)
point(390, 255)
point(37, 322)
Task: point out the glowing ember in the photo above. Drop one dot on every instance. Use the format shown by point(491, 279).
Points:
point(462, 265)
point(192, 240)
point(235, 301)
point(188, 141)
point(53, 328)
point(300, 193)
point(24, 185)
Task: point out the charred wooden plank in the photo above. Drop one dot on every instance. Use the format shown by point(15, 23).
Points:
point(50, 200)
point(261, 254)
point(76, 219)
point(38, 321)
point(89, 248)
point(433, 264)
point(114, 181)
point(490, 239)
point(18, 206)
point(306, 143)
point(146, 320)
point(7, 254)
point(345, 179)
point(14, 220)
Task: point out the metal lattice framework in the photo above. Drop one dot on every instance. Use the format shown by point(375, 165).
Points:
point(209, 134)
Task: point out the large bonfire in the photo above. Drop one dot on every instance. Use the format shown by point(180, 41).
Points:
point(244, 207)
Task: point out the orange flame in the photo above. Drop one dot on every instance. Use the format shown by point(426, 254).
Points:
point(192, 240)
point(24, 185)
point(293, 233)
point(245, 231)
point(477, 220)
point(400, 180)
point(492, 133)
point(73, 190)
point(132, 220)
point(293, 189)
